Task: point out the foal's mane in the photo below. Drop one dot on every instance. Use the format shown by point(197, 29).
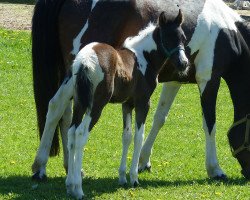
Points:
point(141, 41)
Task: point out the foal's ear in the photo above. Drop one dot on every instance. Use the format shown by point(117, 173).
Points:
point(180, 18)
point(162, 19)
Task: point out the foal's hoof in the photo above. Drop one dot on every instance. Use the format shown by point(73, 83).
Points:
point(146, 168)
point(222, 177)
point(38, 177)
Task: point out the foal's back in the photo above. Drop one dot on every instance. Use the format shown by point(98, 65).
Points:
point(118, 68)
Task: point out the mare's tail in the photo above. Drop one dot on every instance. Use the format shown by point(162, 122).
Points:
point(47, 60)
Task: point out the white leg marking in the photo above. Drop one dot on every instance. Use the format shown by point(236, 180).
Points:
point(64, 128)
point(212, 164)
point(126, 140)
point(138, 139)
point(168, 95)
point(57, 106)
point(71, 149)
point(82, 134)
point(77, 40)
point(80, 138)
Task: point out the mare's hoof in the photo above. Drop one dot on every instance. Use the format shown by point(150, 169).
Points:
point(136, 184)
point(38, 177)
point(221, 177)
point(146, 168)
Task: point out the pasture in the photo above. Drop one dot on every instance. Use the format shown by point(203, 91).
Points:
point(178, 168)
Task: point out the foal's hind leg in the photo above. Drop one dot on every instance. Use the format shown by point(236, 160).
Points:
point(168, 94)
point(56, 109)
point(126, 140)
point(208, 103)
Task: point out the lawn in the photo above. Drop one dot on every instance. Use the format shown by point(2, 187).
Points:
point(178, 159)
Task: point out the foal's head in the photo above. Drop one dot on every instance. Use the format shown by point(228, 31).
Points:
point(239, 140)
point(172, 39)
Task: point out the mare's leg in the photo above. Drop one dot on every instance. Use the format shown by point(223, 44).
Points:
point(126, 140)
point(208, 92)
point(168, 94)
point(57, 106)
point(141, 111)
point(64, 128)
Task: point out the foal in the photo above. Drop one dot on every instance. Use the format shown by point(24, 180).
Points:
point(101, 74)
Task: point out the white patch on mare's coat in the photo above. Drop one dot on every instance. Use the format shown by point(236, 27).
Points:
point(142, 42)
point(87, 58)
point(77, 41)
point(216, 15)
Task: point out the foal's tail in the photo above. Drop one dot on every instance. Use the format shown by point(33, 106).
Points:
point(47, 60)
point(84, 88)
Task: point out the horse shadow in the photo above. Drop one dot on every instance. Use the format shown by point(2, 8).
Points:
point(22, 187)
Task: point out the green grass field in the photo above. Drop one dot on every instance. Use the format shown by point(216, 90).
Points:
point(178, 159)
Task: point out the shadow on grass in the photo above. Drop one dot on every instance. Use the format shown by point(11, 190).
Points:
point(22, 187)
point(29, 2)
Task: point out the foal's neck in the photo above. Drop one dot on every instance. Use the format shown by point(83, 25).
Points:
point(142, 44)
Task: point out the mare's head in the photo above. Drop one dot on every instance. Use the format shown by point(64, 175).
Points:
point(172, 40)
point(239, 140)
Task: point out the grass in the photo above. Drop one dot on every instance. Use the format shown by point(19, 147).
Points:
point(31, 2)
point(178, 157)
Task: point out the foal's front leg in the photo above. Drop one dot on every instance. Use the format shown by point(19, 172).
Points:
point(141, 112)
point(126, 140)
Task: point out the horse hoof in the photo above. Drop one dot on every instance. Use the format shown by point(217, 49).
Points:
point(38, 177)
point(221, 177)
point(122, 182)
point(136, 184)
point(146, 168)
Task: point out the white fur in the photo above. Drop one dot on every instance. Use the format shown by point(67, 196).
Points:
point(126, 140)
point(138, 140)
point(56, 108)
point(142, 42)
point(77, 41)
point(88, 58)
point(76, 142)
point(168, 94)
point(212, 164)
point(64, 127)
point(215, 16)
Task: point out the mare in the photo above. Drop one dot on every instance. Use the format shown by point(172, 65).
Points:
point(214, 32)
point(101, 74)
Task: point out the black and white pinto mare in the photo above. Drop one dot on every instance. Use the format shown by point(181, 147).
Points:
point(217, 45)
point(102, 74)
